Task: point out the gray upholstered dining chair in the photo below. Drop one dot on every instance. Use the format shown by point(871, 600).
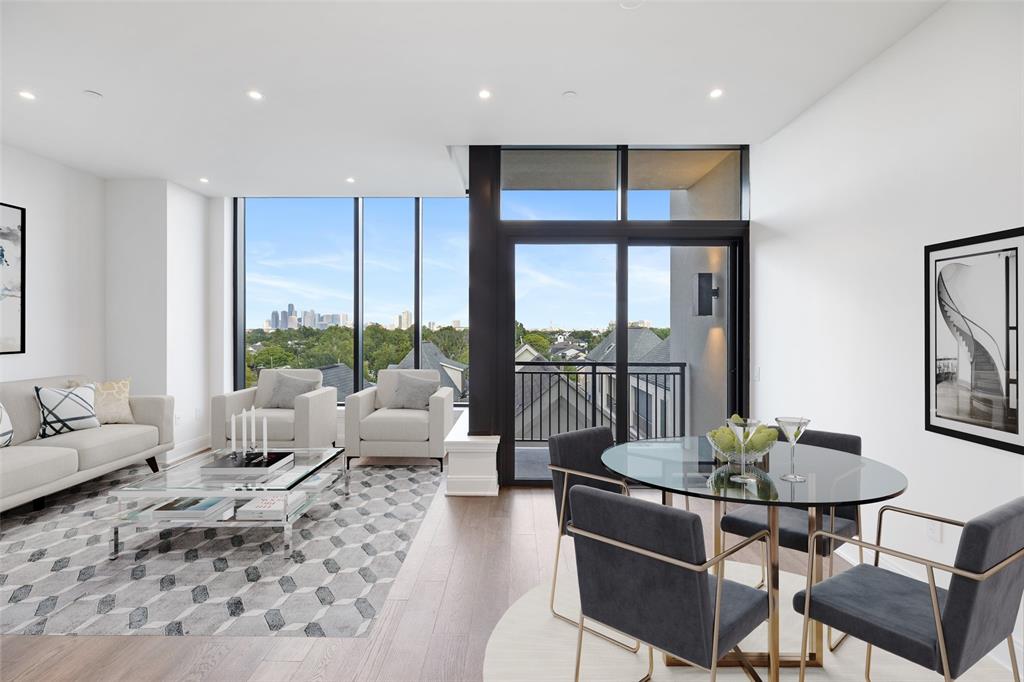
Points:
point(576, 460)
point(643, 572)
point(843, 521)
point(947, 631)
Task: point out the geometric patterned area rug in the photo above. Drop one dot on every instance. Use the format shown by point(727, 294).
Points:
point(56, 576)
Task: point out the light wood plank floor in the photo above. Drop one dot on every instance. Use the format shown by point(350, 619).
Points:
point(470, 560)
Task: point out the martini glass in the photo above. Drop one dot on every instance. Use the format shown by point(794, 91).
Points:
point(743, 429)
point(792, 428)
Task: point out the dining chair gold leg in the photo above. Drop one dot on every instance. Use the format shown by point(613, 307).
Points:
point(579, 648)
point(832, 646)
point(650, 665)
point(554, 581)
point(1013, 659)
point(867, 665)
point(746, 665)
point(764, 566)
point(807, 613)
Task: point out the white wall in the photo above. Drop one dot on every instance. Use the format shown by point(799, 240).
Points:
point(923, 145)
point(220, 243)
point(136, 283)
point(187, 317)
point(64, 292)
point(158, 299)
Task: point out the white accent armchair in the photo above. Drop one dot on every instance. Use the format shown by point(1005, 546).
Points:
point(312, 424)
point(372, 430)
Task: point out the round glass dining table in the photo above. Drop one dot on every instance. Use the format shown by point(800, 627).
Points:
point(687, 466)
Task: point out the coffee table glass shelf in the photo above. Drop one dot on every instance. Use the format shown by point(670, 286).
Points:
point(298, 484)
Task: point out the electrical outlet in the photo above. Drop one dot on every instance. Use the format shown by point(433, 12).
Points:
point(934, 531)
point(757, 373)
point(198, 414)
point(177, 418)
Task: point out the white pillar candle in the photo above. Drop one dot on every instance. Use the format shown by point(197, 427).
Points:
point(253, 424)
point(244, 432)
point(233, 433)
point(264, 436)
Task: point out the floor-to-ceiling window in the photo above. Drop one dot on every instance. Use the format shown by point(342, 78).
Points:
point(445, 323)
point(389, 286)
point(298, 288)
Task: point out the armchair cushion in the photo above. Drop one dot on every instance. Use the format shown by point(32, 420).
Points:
point(889, 610)
point(287, 388)
point(412, 392)
point(387, 383)
point(268, 380)
point(410, 426)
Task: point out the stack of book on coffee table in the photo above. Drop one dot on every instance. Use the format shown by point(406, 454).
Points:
point(195, 508)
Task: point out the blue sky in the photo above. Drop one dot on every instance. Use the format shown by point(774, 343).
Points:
point(299, 250)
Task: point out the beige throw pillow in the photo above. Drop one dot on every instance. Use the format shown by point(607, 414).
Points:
point(112, 406)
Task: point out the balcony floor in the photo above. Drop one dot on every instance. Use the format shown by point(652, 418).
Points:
point(532, 463)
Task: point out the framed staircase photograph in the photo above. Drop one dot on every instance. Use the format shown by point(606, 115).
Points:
point(972, 305)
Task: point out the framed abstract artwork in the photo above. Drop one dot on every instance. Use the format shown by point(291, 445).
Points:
point(972, 346)
point(12, 279)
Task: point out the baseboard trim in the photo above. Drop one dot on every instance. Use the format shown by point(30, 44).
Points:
point(187, 449)
point(999, 654)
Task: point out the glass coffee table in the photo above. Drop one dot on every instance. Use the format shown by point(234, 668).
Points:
point(298, 484)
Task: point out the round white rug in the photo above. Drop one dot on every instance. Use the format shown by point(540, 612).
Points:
point(530, 645)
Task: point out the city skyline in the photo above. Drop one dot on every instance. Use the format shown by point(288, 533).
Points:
point(300, 249)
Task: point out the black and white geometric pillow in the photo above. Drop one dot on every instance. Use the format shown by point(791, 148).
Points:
point(62, 410)
point(6, 428)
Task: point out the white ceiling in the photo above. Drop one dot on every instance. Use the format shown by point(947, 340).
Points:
point(379, 91)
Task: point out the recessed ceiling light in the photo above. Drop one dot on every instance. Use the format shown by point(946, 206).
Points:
point(25, 94)
point(631, 4)
point(484, 94)
point(204, 180)
point(95, 94)
point(569, 93)
point(255, 94)
point(716, 93)
point(350, 180)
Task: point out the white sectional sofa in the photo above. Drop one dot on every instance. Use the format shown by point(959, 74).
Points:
point(32, 467)
point(372, 430)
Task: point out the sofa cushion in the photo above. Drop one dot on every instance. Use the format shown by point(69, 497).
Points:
point(62, 410)
point(280, 425)
point(103, 444)
point(19, 398)
point(6, 428)
point(23, 467)
point(112, 400)
point(407, 426)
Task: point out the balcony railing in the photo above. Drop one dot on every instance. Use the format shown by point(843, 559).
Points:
point(556, 397)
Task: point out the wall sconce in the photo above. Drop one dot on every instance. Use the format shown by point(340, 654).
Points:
point(704, 294)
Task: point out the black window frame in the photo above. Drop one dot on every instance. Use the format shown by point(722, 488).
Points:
point(492, 280)
point(358, 268)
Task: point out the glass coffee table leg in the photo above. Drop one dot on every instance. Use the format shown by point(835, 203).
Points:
point(288, 540)
point(115, 545)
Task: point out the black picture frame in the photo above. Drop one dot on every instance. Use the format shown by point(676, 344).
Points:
point(976, 400)
point(23, 283)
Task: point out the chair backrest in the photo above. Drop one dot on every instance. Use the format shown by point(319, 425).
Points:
point(666, 606)
point(980, 615)
point(387, 382)
point(580, 450)
point(844, 442)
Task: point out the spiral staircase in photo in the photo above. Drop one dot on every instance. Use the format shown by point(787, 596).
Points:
point(989, 381)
